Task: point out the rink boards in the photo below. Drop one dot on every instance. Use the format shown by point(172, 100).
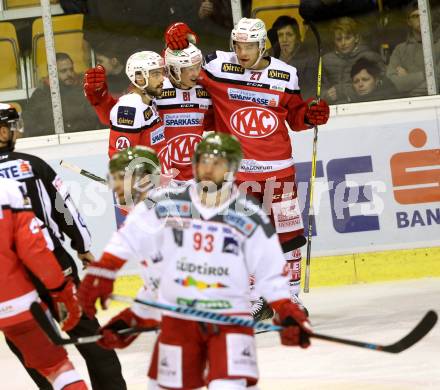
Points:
point(377, 189)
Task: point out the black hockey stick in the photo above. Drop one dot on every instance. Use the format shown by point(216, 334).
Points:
point(50, 328)
point(83, 172)
point(421, 330)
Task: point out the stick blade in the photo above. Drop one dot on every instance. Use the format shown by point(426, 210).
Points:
point(420, 331)
point(47, 324)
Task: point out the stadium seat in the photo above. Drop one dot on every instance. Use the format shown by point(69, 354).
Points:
point(9, 58)
point(269, 10)
point(24, 3)
point(68, 35)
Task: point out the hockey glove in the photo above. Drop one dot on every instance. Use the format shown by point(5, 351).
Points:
point(98, 283)
point(124, 320)
point(294, 320)
point(95, 85)
point(317, 112)
point(66, 305)
point(179, 35)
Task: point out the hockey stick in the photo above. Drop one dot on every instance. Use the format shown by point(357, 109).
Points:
point(50, 328)
point(83, 172)
point(416, 334)
point(420, 331)
point(311, 213)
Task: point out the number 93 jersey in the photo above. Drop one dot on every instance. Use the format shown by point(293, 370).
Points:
point(205, 254)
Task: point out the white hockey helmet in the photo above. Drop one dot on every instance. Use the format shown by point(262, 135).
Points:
point(175, 60)
point(143, 61)
point(249, 30)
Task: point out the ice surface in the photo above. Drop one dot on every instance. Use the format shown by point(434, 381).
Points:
point(380, 313)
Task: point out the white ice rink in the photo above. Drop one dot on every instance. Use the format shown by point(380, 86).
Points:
point(380, 313)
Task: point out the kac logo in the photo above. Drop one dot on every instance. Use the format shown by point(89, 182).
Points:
point(254, 122)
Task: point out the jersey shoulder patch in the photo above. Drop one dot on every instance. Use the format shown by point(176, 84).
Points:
point(125, 116)
point(210, 56)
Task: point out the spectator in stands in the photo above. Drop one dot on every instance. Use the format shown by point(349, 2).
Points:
point(112, 59)
point(369, 83)
point(286, 44)
point(77, 113)
point(348, 48)
point(407, 68)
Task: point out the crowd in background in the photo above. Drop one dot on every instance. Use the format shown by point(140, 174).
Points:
point(366, 57)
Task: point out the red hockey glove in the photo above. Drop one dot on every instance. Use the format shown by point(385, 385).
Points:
point(66, 305)
point(294, 320)
point(317, 112)
point(124, 320)
point(178, 35)
point(95, 85)
point(98, 283)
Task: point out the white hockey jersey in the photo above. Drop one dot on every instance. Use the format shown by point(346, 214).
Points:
point(204, 256)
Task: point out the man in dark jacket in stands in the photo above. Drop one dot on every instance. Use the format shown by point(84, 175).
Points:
point(77, 114)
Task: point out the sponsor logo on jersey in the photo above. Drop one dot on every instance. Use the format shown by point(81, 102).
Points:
point(201, 93)
point(265, 99)
point(232, 68)
point(157, 136)
point(182, 148)
point(230, 245)
point(173, 208)
point(168, 93)
point(189, 281)
point(148, 113)
point(204, 303)
point(201, 269)
point(287, 216)
point(16, 169)
point(253, 122)
point(183, 119)
point(242, 223)
point(126, 115)
point(278, 88)
point(278, 74)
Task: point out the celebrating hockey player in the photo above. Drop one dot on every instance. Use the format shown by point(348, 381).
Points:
point(58, 216)
point(186, 108)
point(256, 98)
point(23, 248)
point(212, 237)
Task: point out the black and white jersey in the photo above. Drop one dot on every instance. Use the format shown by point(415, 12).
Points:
point(50, 199)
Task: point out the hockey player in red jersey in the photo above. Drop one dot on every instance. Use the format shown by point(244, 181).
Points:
point(23, 247)
point(257, 98)
point(184, 106)
point(206, 247)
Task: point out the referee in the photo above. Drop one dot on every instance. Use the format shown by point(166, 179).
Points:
point(57, 215)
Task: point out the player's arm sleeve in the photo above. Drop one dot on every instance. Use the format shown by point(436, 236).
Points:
point(64, 211)
point(208, 119)
point(125, 128)
point(31, 246)
point(265, 260)
point(138, 238)
point(104, 108)
point(296, 106)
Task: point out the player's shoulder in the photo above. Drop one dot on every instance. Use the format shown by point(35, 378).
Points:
point(214, 61)
point(247, 206)
point(130, 112)
point(279, 70)
point(13, 194)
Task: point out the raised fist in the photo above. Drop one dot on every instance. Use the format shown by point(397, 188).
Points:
point(179, 35)
point(317, 112)
point(95, 85)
